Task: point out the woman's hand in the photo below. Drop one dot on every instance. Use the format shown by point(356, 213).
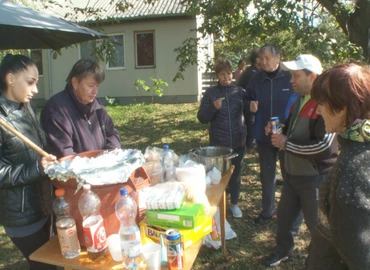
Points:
point(218, 103)
point(49, 160)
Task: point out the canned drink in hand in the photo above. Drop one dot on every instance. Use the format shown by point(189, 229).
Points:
point(275, 125)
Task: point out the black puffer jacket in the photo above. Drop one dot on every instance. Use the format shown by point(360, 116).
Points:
point(25, 191)
point(227, 127)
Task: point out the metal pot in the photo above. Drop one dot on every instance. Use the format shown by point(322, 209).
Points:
point(213, 156)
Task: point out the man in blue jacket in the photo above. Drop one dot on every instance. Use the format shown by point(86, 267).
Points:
point(270, 94)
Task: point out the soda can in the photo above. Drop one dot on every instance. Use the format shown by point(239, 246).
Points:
point(275, 125)
point(174, 249)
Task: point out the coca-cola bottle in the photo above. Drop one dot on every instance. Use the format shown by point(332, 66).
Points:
point(93, 226)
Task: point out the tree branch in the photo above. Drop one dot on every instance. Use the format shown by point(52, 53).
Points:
point(335, 8)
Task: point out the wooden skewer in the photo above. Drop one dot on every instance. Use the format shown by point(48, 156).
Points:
point(24, 139)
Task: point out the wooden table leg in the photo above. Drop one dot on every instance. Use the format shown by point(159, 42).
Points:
point(223, 223)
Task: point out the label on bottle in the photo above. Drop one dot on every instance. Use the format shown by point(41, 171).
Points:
point(131, 248)
point(68, 239)
point(95, 235)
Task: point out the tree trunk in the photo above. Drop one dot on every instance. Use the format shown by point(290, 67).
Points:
point(356, 25)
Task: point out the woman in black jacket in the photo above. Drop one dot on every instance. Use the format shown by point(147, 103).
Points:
point(341, 239)
point(223, 107)
point(25, 191)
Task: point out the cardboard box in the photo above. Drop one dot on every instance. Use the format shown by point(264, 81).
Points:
point(186, 217)
point(188, 236)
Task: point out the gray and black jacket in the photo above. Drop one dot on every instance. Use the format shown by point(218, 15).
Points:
point(309, 150)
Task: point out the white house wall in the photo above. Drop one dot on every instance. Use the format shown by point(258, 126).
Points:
point(169, 34)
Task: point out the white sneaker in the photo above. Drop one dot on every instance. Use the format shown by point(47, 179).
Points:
point(237, 213)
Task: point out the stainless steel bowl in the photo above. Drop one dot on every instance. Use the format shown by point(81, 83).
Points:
point(213, 156)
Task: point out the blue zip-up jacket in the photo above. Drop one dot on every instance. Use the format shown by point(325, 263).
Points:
point(275, 97)
point(227, 125)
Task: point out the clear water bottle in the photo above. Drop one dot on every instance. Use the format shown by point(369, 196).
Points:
point(93, 226)
point(167, 162)
point(66, 226)
point(129, 232)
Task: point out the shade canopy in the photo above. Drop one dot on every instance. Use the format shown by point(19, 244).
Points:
point(26, 28)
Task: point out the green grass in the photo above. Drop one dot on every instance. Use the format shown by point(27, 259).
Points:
point(154, 125)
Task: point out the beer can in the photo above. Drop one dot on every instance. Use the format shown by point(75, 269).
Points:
point(174, 249)
point(275, 125)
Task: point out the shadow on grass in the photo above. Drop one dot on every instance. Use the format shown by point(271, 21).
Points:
point(254, 242)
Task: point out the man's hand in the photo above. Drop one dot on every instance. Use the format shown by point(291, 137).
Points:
point(278, 140)
point(268, 128)
point(253, 107)
point(218, 103)
point(46, 161)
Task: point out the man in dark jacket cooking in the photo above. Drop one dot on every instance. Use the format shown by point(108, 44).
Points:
point(74, 120)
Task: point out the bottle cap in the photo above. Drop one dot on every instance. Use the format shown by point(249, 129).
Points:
point(86, 186)
point(59, 192)
point(123, 191)
point(165, 147)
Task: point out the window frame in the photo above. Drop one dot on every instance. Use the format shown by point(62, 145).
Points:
point(107, 67)
point(136, 51)
point(79, 50)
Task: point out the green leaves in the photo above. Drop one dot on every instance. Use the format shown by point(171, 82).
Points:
point(157, 86)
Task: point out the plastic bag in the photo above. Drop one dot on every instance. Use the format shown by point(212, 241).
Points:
point(215, 176)
point(229, 233)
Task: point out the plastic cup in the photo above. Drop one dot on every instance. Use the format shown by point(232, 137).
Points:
point(152, 254)
point(114, 246)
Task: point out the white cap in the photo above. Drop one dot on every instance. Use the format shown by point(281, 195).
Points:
point(304, 61)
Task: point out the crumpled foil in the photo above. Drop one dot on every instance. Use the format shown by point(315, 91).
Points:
point(110, 167)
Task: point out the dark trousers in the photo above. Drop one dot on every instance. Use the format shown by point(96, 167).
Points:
point(299, 197)
point(267, 157)
point(28, 244)
point(234, 183)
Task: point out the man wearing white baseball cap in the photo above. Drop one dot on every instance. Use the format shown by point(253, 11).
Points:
point(304, 61)
point(310, 152)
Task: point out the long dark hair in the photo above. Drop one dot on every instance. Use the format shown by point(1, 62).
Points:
point(15, 64)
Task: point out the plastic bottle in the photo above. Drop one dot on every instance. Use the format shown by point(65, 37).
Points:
point(129, 232)
point(93, 226)
point(66, 226)
point(167, 162)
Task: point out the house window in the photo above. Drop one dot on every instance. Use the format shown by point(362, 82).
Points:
point(87, 50)
point(36, 56)
point(118, 55)
point(144, 49)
